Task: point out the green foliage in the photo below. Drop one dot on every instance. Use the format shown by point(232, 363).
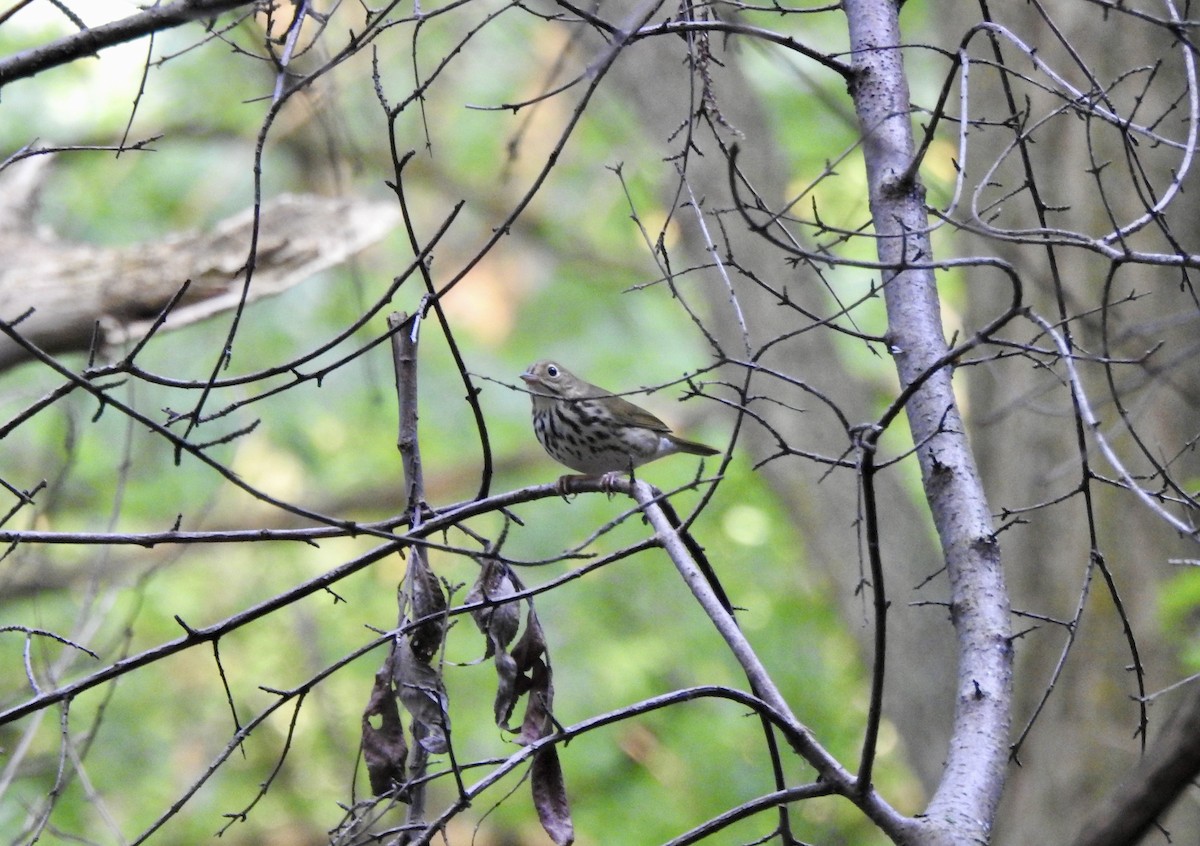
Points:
point(1179, 598)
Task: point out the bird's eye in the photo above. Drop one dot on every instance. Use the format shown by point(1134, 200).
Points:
point(551, 371)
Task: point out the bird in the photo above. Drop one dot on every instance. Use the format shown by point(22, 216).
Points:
point(594, 431)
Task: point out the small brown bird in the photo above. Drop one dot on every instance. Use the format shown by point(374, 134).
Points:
point(592, 430)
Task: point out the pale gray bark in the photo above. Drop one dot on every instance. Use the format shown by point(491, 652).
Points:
point(964, 804)
point(73, 295)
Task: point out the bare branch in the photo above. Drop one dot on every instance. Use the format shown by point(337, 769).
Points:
point(90, 42)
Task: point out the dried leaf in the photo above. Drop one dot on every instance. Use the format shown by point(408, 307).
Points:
point(550, 796)
point(506, 689)
point(535, 679)
point(427, 600)
point(498, 622)
point(537, 723)
point(532, 645)
point(384, 750)
point(423, 696)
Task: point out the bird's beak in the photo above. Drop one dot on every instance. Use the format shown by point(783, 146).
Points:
point(528, 378)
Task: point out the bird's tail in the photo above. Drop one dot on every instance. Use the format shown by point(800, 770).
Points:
point(691, 446)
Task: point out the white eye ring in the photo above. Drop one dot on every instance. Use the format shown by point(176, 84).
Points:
point(551, 371)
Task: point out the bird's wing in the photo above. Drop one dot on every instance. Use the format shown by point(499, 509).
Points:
point(634, 415)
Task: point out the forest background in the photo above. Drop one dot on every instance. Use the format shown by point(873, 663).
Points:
point(581, 193)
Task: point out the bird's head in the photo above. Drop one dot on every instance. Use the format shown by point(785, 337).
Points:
point(549, 378)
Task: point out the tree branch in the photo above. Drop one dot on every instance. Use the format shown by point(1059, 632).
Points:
point(1168, 768)
point(797, 734)
point(973, 777)
point(89, 42)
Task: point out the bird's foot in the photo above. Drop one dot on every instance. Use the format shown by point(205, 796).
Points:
point(568, 484)
point(608, 480)
point(565, 486)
